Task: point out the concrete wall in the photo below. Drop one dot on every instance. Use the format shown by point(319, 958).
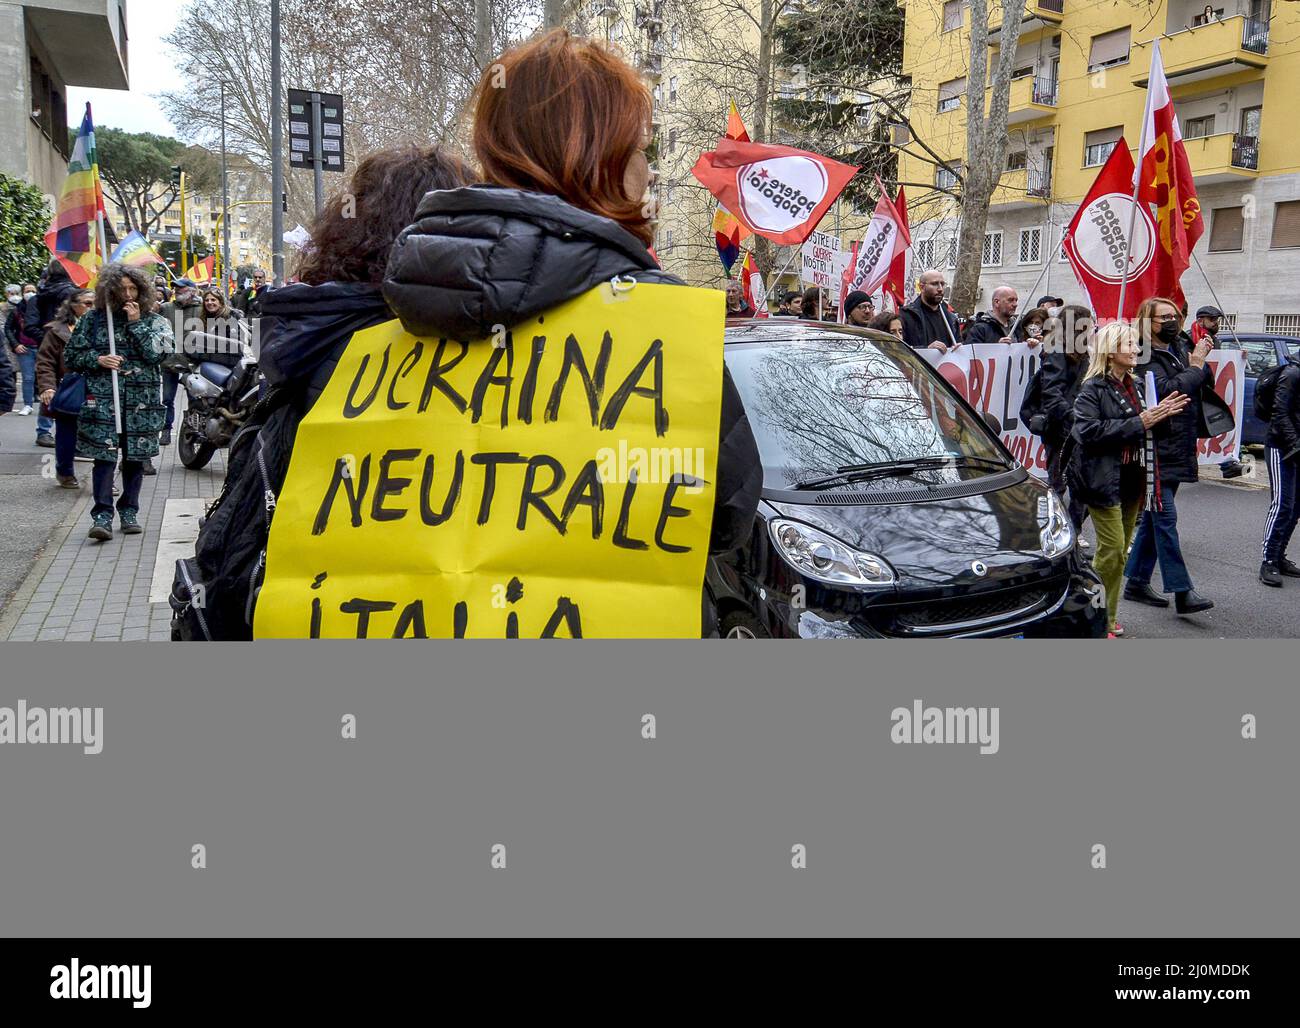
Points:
point(15, 105)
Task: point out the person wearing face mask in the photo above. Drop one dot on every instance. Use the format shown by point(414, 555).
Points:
point(1030, 328)
point(1051, 304)
point(1175, 370)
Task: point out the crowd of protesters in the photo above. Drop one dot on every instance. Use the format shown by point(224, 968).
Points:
point(419, 241)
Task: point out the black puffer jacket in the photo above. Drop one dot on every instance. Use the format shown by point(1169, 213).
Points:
point(1205, 415)
point(482, 256)
point(1105, 424)
point(1284, 426)
point(475, 258)
point(987, 329)
point(1061, 380)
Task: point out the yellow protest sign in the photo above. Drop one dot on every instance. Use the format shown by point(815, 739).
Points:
point(555, 480)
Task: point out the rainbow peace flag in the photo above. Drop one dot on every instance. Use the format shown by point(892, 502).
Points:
point(135, 250)
point(727, 237)
point(73, 236)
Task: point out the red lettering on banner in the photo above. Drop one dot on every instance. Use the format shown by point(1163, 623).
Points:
point(956, 378)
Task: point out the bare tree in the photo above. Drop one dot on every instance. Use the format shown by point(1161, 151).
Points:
point(986, 140)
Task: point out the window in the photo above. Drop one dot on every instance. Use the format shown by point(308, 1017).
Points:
point(946, 178)
point(1109, 49)
point(1017, 160)
point(672, 90)
point(1227, 228)
point(923, 254)
point(1031, 246)
point(1282, 324)
point(1198, 128)
point(952, 15)
point(672, 140)
point(991, 255)
point(1060, 250)
point(1286, 225)
point(676, 35)
point(1098, 145)
point(950, 94)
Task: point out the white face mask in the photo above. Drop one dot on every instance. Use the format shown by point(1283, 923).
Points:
point(1054, 312)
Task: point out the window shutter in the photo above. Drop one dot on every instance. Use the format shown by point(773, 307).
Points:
point(1110, 47)
point(1286, 225)
point(1227, 229)
point(951, 89)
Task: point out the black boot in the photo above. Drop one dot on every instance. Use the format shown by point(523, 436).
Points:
point(1270, 574)
point(1191, 602)
point(1143, 593)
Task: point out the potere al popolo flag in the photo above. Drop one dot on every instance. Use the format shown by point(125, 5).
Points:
point(73, 237)
point(776, 192)
point(886, 239)
point(1165, 181)
point(897, 274)
point(1095, 241)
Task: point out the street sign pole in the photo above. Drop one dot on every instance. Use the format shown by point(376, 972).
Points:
point(317, 153)
point(225, 203)
point(277, 155)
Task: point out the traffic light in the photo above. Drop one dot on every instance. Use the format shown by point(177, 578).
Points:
point(176, 176)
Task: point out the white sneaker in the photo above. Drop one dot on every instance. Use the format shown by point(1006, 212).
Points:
point(25, 411)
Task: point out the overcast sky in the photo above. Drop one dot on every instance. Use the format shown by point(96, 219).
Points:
point(152, 70)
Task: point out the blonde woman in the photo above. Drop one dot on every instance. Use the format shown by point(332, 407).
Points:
point(1114, 455)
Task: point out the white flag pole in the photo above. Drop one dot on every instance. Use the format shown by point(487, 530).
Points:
point(1147, 113)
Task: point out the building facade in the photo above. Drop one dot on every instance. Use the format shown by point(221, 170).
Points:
point(46, 46)
point(1079, 85)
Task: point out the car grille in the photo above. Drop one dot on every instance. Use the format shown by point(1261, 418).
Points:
point(973, 612)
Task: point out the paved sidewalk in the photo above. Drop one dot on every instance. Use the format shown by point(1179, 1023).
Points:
point(80, 589)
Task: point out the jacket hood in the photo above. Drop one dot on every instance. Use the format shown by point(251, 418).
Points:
point(302, 325)
point(481, 256)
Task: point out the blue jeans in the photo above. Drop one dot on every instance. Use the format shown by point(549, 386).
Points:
point(65, 443)
point(27, 364)
point(1284, 511)
point(1157, 538)
point(169, 384)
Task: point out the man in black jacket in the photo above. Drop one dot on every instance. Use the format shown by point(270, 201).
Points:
point(927, 321)
point(995, 325)
point(1175, 371)
point(1283, 472)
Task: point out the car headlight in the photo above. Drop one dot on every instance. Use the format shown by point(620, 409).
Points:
point(818, 555)
point(1057, 535)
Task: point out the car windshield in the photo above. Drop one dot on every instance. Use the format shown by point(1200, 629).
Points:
point(833, 408)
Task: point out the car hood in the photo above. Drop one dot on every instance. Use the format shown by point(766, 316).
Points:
point(937, 544)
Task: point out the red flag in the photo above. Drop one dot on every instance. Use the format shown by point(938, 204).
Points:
point(846, 279)
point(776, 192)
point(885, 238)
point(893, 283)
point(736, 127)
point(1166, 182)
point(1094, 242)
point(751, 281)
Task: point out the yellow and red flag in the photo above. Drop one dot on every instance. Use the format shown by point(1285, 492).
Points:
point(73, 237)
point(728, 232)
point(201, 272)
point(735, 126)
point(1165, 181)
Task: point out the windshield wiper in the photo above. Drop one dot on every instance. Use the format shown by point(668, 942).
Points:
point(894, 468)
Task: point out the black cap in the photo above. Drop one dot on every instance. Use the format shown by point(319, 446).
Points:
point(1049, 301)
point(1209, 311)
point(856, 299)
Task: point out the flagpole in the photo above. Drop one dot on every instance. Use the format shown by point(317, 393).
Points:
point(767, 296)
point(1032, 289)
point(1137, 184)
point(1215, 297)
point(108, 314)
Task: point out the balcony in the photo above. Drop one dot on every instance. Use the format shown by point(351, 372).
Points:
point(1208, 51)
point(1032, 98)
point(82, 40)
point(1039, 14)
point(1021, 188)
point(1223, 157)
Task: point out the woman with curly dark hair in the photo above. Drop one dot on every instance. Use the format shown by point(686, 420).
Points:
point(303, 330)
point(140, 339)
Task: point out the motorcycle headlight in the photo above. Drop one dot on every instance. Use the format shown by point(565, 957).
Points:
point(1057, 535)
point(818, 555)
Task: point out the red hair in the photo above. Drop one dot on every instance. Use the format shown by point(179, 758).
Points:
point(565, 116)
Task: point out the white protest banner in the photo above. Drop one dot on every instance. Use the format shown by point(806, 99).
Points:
point(993, 377)
point(824, 260)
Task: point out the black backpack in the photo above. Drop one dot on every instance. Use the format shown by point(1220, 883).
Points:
point(1265, 388)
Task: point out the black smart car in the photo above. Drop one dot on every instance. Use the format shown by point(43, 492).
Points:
point(889, 508)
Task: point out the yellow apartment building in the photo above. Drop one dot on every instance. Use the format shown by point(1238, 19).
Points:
point(1079, 84)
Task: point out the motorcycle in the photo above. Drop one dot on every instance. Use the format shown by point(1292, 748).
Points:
point(220, 400)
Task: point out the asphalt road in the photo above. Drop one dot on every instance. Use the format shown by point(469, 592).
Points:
point(31, 505)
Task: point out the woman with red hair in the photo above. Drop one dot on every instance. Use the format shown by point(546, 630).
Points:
point(560, 129)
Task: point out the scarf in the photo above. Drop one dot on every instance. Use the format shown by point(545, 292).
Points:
point(1145, 454)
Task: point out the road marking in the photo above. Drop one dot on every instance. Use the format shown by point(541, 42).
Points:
point(180, 529)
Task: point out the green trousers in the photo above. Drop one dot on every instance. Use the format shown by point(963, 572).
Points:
point(1114, 526)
